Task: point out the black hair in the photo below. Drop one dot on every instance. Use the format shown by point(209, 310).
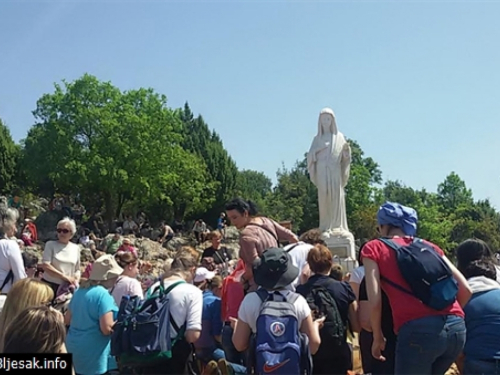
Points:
point(480, 268)
point(242, 206)
point(471, 250)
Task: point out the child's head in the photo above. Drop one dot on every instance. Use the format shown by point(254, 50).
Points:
point(337, 272)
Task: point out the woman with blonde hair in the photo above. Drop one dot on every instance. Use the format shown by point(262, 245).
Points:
point(91, 315)
point(25, 293)
point(43, 331)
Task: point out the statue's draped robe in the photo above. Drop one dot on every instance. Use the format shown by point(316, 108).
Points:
point(328, 163)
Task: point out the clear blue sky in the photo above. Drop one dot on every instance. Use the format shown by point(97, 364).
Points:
point(416, 84)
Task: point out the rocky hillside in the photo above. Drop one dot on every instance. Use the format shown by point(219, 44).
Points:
point(150, 251)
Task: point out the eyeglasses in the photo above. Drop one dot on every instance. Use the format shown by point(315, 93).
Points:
point(65, 231)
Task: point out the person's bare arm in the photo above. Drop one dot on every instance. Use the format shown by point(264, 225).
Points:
point(353, 317)
point(241, 334)
point(52, 271)
point(248, 253)
point(464, 290)
point(67, 318)
point(106, 323)
point(284, 234)
point(364, 315)
point(305, 274)
point(372, 276)
point(355, 289)
point(311, 328)
point(192, 336)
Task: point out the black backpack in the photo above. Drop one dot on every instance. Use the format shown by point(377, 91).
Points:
point(322, 303)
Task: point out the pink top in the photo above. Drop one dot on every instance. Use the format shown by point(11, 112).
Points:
point(254, 239)
point(126, 286)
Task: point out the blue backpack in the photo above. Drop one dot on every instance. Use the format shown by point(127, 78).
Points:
point(429, 277)
point(279, 347)
point(141, 334)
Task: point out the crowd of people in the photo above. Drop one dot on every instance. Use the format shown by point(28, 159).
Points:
point(282, 307)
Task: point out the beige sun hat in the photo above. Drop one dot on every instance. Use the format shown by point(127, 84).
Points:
point(105, 268)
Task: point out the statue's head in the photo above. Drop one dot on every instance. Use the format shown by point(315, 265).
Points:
point(326, 122)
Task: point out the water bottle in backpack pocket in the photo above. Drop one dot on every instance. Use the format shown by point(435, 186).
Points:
point(278, 346)
point(429, 277)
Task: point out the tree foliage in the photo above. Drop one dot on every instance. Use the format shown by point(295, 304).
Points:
point(91, 138)
point(220, 167)
point(9, 156)
point(119, 149)
point(253, 185)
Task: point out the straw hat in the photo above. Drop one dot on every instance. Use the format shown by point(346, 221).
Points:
point(105, 268)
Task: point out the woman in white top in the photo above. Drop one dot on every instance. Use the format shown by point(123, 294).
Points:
point(61, 258)
point(274, 271)
point(11, 261)
point(186, 307)
point(127, 283)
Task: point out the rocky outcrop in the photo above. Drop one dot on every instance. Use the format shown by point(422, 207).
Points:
point(46, 225)
point(150, 251)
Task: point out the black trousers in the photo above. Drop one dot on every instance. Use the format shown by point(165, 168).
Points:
point(372, 365)
point(181, 358)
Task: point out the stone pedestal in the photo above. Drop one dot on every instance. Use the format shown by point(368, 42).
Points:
point(342, 246)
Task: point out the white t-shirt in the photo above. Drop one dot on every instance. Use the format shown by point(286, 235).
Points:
point(357, 275)
point(250, 309)
point(299, 254)
point(186, 305)
point(64, 258)
point(10, 259)
point(126, 286)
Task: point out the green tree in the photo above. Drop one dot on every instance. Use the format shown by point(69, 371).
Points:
point(294, 198)
point(221, 168)
point(361, 192)
point(9, 156)
point(433, 224)
point(93, 139)
point(452, 193)
point(253, 185)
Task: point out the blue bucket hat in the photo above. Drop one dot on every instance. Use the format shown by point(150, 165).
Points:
point(398, 216)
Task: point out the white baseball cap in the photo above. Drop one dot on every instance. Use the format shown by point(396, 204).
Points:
point(203, 274)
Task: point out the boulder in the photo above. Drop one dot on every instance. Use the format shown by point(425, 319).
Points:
point(232, 234)
point(177, 242)
point(151, 250)
point(233, 249)
point(36, 251)
point(46, 225)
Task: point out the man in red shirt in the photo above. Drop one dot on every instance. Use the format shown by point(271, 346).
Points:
point(429, 340)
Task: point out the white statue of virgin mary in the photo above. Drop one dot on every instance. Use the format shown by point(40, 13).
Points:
point(328, 163)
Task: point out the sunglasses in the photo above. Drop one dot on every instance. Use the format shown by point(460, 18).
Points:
point(65, 231)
